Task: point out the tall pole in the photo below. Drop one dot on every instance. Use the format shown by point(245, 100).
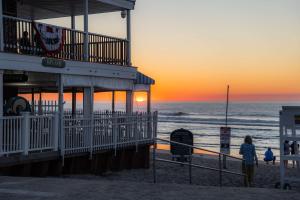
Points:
point(1, 108)
point(129, 38)
point(86, 30)
point(227, 100)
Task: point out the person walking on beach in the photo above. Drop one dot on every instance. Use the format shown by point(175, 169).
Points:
point(248, 151)
point(286, 151)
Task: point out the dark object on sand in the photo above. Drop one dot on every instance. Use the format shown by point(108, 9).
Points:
point(180, 152)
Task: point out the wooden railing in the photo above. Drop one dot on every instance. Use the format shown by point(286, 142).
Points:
point(102, 49)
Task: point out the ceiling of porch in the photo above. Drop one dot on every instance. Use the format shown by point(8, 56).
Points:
point(45, 9)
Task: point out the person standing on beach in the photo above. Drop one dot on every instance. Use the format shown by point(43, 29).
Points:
point(295, 151)
point(248, 151)
point(286, 151)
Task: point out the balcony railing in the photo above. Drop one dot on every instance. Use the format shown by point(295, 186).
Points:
point(102, 49)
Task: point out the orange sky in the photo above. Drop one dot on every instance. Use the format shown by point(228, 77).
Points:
point(193, 49)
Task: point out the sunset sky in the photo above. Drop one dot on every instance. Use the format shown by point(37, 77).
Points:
point(194, 48)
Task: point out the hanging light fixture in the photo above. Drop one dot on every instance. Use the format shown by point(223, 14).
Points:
point(123, 14)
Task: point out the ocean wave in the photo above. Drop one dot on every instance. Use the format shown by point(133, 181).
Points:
point(212, 121)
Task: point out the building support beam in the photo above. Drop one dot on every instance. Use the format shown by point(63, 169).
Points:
point(1, 27)
point(32, 101)
point(74, 101)
point(88, 101)
point(61, 114)
point(129, 37)
point(86, 30)
point(113, 101)
point(129, 102)
point(1, 108)
point(149, 100)
point(73, 27)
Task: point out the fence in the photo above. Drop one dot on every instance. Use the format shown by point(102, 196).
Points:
point(108, 131)
point(103, 130)
point(102, 49)
point(25, 134)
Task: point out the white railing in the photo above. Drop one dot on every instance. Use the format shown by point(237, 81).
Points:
point(102, 131)
point(28, 133)
point(11, 135)
point(42, 133)
point(108, 131)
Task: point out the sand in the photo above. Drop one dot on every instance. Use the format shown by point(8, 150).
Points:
point(266, 176)
point(172, 183)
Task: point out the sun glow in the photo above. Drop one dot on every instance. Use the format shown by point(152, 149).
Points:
point(140, 99)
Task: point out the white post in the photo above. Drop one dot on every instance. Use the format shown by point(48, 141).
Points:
point(129, 101)
point(25, 132)
point(61, 114)
point(129, 37)
point(55, 130)
point(86, 30)
point(1, 27)
point(1, 107)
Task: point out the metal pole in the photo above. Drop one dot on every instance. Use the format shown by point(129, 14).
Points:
point(129, 38)
point(190, 167)
point(226, 123)
point(220, 170)
point(1, 27)
point(154, 161)
point(86, 30)
point(227, 100)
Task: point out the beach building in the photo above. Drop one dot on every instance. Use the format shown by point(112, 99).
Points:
point(38, 137)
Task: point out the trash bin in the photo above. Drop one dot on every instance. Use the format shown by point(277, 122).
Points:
point(179, 152)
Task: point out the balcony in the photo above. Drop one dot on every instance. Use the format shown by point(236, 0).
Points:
point(101, 49)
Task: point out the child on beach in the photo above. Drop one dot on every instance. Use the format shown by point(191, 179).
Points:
point(249, 155)
point(269, 156)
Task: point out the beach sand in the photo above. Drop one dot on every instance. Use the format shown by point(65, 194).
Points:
point(266, 176)
point(172, 184)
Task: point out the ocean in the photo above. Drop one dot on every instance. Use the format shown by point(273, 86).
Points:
point(259, 120)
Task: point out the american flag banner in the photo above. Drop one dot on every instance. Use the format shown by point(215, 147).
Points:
point(51, 38)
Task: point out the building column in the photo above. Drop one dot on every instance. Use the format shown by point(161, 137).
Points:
point(73, 27)
point(129, 101)
point(61, 114)
point(88, 101)
point(32, 100)
point(149, 100)
point(1, 27)
point(1, 107)
point(129, 37)
point(113, 101)
point(86, 30)
point(74, 101)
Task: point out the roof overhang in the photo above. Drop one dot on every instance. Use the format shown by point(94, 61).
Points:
point(46, 9)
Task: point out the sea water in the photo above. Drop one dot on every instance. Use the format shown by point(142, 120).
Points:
point(259, 120)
